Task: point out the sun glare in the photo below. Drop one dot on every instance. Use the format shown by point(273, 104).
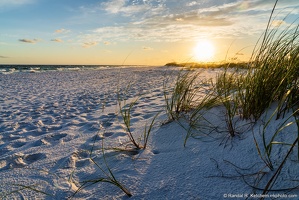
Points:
point(204, 51)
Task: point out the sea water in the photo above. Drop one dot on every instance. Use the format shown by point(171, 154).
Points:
point(9, 69)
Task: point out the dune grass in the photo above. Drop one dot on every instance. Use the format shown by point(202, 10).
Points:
point(274, 73)
point(106, 177)
point(125, 111)
point(182, 98)
point(197, 121)
point(228, 85)
point(20, 187)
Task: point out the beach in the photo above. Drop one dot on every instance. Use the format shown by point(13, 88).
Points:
point(61, 128)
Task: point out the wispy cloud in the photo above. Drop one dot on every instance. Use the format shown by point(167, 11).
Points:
point(188, 20)
point(277, 23)
point(166, 25)
point(89, 44)
point(113, 6)
point(8, 5)
point(62, 31)
point(32, 41)
point(57, 40)
point(3, 56)
point(107, 43)
point(193, 3)
point(124, 7)
point(15, 2)
point(147, 48)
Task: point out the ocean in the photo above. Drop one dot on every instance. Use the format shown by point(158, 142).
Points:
point(9, 69)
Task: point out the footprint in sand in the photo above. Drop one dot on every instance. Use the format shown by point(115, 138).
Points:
point(147, 116)
point(50, 139)
point(75, 160)
point(136, 114)
point(18, 144)
point(83, 159)
point(107, 124)
point(31, 158)
point(93, 142)
point(107, 120)
point(97, 137)
point(108, 134)
point(5, 148)
point(93, 126)
point(9, 137)
point(20, 160)
point(3, 163)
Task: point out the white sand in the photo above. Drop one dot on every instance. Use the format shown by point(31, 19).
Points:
point(50, 121)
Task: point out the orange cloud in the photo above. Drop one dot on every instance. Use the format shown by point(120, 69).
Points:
point(147, 48)
point(29, 41)
point(57, 40)
point(62, 31)
point(89, 44)
point(277, 23)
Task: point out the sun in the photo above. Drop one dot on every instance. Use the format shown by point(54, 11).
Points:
point(204, 51)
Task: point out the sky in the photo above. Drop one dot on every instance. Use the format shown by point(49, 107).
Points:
point(134, 32)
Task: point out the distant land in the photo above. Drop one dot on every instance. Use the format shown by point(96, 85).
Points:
point(210, 64)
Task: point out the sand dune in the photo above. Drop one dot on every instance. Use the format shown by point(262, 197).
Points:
point(52, 123)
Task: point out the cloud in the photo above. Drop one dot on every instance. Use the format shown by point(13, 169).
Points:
point(107, 51)
point(124, 7)
point(192, 3)
point(57, 40)
point(179, 19)
point(33, 41)
point(3, 56)
point(113, 6)
point(277, 23)
point(89, 44)
point(8, 5)
point(62, 31)
point(15, 2)
point(107, 43)
point(125, 33)
point(147, 48)
point(167, 21)
point(191, 18)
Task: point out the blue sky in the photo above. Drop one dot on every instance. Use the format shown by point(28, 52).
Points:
point(150, 32)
